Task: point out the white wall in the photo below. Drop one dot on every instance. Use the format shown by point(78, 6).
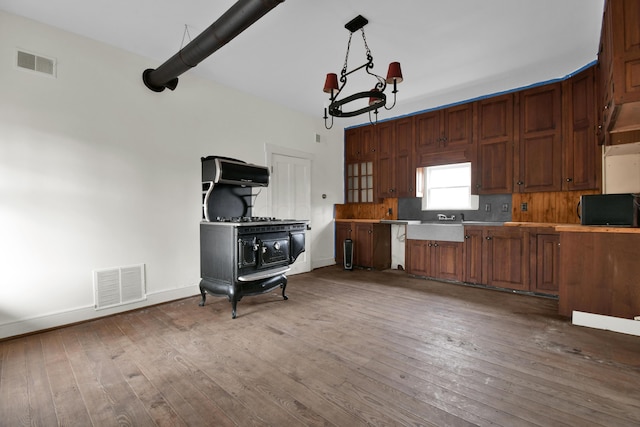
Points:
point(97, 171)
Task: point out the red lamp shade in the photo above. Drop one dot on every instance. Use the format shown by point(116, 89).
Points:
point(331, 83)
point(373, 100)
point(394, 73)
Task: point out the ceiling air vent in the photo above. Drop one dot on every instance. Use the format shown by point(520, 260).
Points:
point(118, 286)
point(39, 64)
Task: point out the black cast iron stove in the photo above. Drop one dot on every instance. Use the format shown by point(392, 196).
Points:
point(242, 255)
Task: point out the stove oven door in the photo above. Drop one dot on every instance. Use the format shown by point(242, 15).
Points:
point(274, 251)
point(247, 249)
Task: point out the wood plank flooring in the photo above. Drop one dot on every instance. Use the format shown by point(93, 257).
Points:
point(348, 348)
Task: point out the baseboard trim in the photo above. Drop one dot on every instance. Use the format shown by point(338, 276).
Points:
point(82, 314)
point(607, 323)
point(319, 263)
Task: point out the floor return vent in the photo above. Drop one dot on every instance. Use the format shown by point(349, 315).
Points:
point(118, 286)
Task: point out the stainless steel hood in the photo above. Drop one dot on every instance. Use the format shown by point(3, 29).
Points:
point(625, 126)
point(223, 170)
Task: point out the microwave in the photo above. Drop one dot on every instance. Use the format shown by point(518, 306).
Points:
point(618, 210)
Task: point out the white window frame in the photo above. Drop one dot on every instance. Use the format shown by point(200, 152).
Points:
point(428, 184)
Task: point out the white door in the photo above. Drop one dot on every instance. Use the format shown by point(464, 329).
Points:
point(291, 197)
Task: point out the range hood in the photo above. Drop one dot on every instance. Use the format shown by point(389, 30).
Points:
point(625, 126)
point(224, 170)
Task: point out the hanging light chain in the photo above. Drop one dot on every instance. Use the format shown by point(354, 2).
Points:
point(368, 51)
point(346, 59)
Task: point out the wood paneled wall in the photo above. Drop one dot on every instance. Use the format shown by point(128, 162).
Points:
point(553, 206)
point(368, 210)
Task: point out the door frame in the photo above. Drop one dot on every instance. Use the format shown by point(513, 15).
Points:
point(270, 150)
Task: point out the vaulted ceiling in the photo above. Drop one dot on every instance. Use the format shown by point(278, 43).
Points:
point(450, 51)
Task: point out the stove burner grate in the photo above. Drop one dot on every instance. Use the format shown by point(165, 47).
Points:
point(245, 219)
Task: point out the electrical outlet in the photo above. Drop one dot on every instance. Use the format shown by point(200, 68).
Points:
point(487, 207)
point(505, 207)
point(523, 207)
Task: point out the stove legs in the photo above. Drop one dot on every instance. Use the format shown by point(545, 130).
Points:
point(235, 291)
point(234, 304)
point(204, 296)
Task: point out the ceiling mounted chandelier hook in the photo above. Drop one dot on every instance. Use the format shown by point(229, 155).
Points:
point(376, 96)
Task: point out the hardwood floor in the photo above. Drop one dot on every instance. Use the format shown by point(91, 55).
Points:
point(348, 348)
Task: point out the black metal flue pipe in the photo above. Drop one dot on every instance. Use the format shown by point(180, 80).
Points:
point(234, 21)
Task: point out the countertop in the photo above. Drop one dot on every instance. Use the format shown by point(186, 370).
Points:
point(371, 221)
point(576, 228)
point(560, 227)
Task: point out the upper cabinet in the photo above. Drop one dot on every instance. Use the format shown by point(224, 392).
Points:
point(535, 140)
point(396, 174)
point(360, 154)
point(582, 156)
point(538, 156)
point(619, 73)
point(493, 171)
point(445, 136)
point(360, 144)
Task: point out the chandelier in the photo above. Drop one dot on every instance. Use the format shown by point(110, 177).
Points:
point(376, 96)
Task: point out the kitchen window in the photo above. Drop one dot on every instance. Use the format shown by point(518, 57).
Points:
point(446, 187)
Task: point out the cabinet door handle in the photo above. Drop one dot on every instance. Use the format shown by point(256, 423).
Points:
point(569, 179)
point(429, 244)
point(435, 244)
point(520, 183)
point(489, 237)
point(466, 236)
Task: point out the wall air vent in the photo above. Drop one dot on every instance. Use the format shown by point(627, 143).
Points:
point(39, 64)
point(118, 286)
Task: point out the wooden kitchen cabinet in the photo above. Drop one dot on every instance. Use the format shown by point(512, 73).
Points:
point(506, 264)
point(396, 175)
point(582, 156)
point(497, 256)
point(417, 256)
point(360, 144)
point(545, 265)
point(599, 271)
point(473, 254)
point(538, 164)
point(436, 259)
point(619, 69)
point(360, 161)
point(371, 243)
point(445, 136)
point(493, 171)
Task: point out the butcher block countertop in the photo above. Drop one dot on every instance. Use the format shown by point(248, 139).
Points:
point(371, 221)
point(597, 229)
point(575, 228)
point(533, 224)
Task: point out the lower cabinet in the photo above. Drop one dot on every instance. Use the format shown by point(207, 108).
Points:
point(371, 244)
point(599, 272)
point(437, 259)
point(519, 258)
point(507, 258)
point(545, 266)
